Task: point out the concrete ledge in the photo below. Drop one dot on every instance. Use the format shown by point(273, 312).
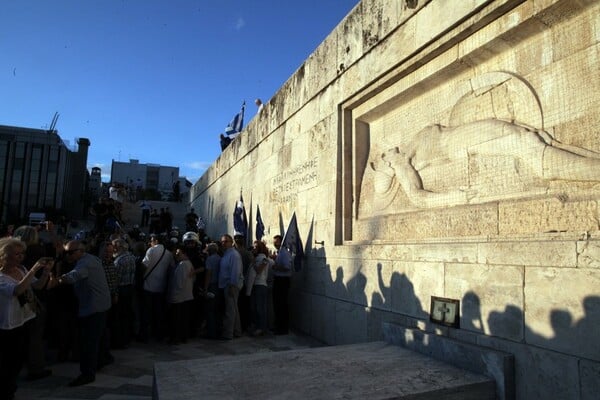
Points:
point(375, 370)
point(494, 364)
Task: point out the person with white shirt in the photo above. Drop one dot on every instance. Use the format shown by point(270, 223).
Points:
point(257, 287)
point(16, 298)
point(179, 297)
point(157, 261)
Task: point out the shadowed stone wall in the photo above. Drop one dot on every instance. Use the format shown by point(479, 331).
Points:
point(439, 148)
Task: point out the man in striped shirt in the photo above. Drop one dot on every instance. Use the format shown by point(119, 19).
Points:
point(124, 315)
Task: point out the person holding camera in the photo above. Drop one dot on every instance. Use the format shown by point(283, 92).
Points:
point(37, 248)
point(17, 307)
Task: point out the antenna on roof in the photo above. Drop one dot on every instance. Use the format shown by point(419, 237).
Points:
point(53, 123)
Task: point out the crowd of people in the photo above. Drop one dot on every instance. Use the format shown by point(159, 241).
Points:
point(105, 289)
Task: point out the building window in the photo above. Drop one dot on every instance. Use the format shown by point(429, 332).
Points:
point(19, 162)
point(3, 160)
point(36, 165)
point(50, 188)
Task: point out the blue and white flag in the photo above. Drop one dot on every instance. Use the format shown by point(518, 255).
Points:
point(240, 221)
point(260, 226)
point(293, 243)
point(237, 123)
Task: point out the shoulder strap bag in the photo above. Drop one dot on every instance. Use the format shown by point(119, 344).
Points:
point(148, 274)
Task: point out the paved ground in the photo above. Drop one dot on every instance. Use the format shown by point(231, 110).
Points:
point(374, 371)
point(130, 377)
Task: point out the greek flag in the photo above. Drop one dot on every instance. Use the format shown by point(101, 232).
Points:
point(240, 221)
point(260, 226)
point(293, 243)
point(237, 123)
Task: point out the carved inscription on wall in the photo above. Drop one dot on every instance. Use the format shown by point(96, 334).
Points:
point(287, 184)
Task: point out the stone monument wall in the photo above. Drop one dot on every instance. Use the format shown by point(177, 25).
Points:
point(439, 148)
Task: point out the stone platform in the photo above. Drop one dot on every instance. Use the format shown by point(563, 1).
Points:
point(375, 370)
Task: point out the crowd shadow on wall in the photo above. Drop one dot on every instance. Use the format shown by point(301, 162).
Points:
point(394, 300)
point(406, 300)
point(555, 357)
point(349, 301)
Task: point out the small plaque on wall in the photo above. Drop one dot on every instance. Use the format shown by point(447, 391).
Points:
point(445, 311)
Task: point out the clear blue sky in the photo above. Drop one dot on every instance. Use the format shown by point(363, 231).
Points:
point(153, 80)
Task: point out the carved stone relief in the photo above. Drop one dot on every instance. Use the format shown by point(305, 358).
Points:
point(491, 145)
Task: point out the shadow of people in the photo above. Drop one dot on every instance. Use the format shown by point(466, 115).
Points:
point(471, 312)
point(356, 288)
point(541, 357)
point(338, 288)
point(397, 296)
point(507, 324)
point(404, 299)
point(585, 327)
point(382, 299)
point(562, 325)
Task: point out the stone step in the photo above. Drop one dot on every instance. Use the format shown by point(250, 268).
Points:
point(497, 365)
point(375, 370)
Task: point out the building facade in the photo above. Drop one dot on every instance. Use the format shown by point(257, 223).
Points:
point(152, 177)
point(38, 172)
